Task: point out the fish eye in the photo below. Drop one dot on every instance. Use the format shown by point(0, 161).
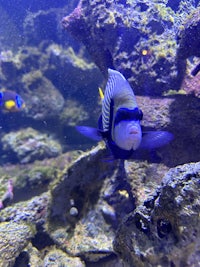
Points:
point(137, 114)
point(128, 114)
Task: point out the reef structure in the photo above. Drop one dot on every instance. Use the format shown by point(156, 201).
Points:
point(138, 38)
point(188, 53)
point(164, 231)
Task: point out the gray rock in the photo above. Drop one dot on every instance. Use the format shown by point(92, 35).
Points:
point(32, 211)
point(164, 231)
point(28, 145)
point(103, 193)
point(189, 36)
point(35, 257)
point(179, 114)
point(45, 101)
point(57, 258)
point(43, 25)
point(136, 38)
point(188, 47)
point(90, 237)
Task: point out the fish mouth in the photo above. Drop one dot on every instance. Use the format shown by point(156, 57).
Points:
point(133, 130)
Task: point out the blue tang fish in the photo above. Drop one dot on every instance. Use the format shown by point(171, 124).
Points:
point(119, 124)
point(10, 101)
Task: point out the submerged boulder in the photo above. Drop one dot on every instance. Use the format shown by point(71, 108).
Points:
point(82, 206)
point(43, 100)
point(28, 145)
point(189, 36)
point(57, 257)
point(188, 53)
point(14, 237)
point(136, 38)
point(164, 231)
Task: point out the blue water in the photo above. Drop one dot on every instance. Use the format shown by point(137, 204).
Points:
point(16, 12)
point(16, 36)
point(26, 39)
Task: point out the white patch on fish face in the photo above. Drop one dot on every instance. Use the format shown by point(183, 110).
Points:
point(127, 135)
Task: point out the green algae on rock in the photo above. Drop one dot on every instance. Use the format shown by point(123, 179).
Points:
point(28, 145)
point(138, 39)
point(34, 178)
point(102, 193)
point(80, 185)
point(33, 211)
point(14, 237)
point(34, 255)
point(57, 257)
point(45, 101)
point(105, 195)
point(73, 113)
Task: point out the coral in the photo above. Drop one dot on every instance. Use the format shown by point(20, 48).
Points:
point(8, 194)
point(38, 177)
point(28, 145)
point(54, 82)
point(72, 72)
point(104, 201)
point(101, 198)
point(13, 239)
point(35, 177)
point(188, 44)
point(33, 211)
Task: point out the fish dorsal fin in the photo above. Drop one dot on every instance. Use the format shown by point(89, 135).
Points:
point(119, 91)
point(113, 83)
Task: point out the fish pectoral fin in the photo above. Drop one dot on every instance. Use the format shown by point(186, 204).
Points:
point(89, 132)
point(155, 139)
